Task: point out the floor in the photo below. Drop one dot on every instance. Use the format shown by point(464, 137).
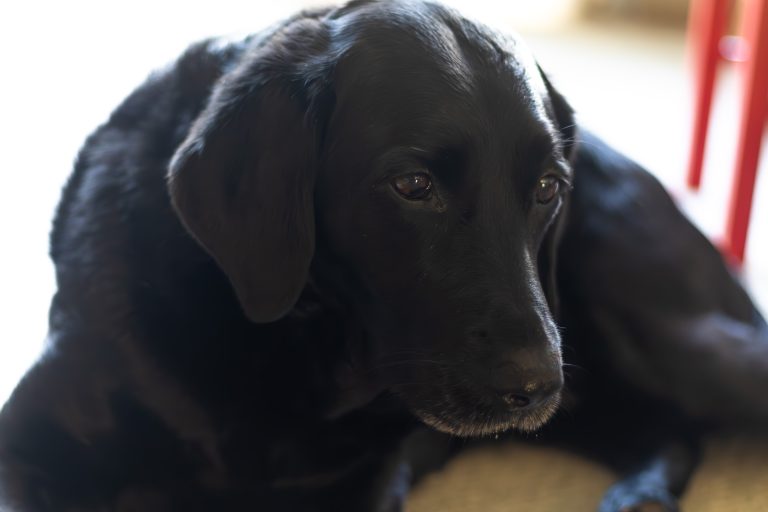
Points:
point(628, 83)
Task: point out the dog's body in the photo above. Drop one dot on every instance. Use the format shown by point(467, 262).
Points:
point(266, 340)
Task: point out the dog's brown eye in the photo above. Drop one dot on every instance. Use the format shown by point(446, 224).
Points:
point(417, 186)
point(547, 189)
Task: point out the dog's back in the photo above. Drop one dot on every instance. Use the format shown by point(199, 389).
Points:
point(657, 297)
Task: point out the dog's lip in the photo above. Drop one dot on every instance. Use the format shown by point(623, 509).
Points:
point(482, 422)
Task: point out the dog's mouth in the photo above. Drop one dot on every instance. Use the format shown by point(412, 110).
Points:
point(481, 421)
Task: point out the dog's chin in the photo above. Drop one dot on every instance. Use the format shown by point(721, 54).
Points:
point(485, 422)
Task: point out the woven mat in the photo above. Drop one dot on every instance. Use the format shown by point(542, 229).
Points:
point(513, 477)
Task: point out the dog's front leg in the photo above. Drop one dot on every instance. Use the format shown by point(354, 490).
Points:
point(654, 485)
point(652, 448)
point(396, 489)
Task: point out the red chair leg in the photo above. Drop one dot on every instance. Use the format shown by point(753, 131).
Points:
point(753, 109)
point(706, 25)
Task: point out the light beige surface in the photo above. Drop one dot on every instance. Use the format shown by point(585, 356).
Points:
point(514, 477)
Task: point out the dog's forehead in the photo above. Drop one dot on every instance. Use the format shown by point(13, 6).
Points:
point(409, 31)
point(385, 38)
point(422, 61)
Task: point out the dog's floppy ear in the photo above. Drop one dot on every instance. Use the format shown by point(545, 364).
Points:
point(242, 182)
point(562, 114)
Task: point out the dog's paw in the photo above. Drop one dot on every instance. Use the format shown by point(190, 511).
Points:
point(633, 496)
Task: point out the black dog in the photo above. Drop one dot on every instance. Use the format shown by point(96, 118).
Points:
point(277, 256)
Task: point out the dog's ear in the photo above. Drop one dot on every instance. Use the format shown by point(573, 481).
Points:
point(562, 114)
point(242, 182)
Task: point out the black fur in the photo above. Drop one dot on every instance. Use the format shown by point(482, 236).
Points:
point(250, 317)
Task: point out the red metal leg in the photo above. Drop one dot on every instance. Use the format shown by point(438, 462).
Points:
point(754, 105)
point(706, 25)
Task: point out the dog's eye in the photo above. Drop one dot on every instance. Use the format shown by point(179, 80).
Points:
point(415, 187)
point(547, 189)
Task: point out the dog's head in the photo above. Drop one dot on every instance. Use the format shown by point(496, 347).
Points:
point(413, 163)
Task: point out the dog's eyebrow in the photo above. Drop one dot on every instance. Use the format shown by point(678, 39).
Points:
point(562, 167)
point(545, 153)
point(556, 162)
point(542, 147)
point(426, 156)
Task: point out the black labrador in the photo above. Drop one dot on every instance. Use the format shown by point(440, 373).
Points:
point(280, 258)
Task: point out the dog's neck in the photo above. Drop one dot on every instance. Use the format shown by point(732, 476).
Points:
point(340, 343)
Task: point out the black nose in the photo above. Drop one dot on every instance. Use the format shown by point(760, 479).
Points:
point(518, 390)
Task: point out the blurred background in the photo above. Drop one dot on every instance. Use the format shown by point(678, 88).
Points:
point(66, 65)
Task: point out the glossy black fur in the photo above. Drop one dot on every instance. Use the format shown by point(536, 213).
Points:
point(249, 317)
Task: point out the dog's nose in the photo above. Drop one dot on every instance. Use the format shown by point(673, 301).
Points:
point(518, 390)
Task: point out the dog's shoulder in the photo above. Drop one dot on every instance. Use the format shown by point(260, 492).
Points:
point(617, 207)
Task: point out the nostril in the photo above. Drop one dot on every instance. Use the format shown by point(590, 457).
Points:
point(516, 400)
